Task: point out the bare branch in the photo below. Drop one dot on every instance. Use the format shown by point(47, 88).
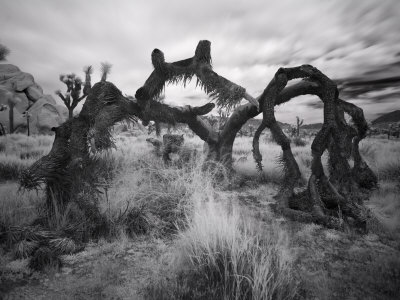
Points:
point(225, 93)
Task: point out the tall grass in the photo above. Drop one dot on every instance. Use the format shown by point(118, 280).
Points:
point(383, 157)
point(18, 151)
point(219, 252)
point(17, 208)
point(150, 196)
point(385, 202)
point(222, 254)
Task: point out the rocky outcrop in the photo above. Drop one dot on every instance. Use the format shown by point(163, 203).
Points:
point(20, 92)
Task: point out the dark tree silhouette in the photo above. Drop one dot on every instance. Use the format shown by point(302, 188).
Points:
point(73, 96)
point(299, 123)
point(4, 52)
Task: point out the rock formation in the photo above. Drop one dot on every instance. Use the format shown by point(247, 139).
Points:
point(20, 92)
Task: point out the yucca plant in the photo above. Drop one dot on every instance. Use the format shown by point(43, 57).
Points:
point(72, 96)
point(64, 245)
point(25, 248)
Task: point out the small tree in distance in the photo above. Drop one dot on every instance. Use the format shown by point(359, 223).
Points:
point(298, 125)
point(105, 70)
point(74, 87)
point(4, 51)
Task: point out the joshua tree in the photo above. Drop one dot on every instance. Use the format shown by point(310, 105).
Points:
point(298, 125)
point(336, 136)
point(4, 52)
point(74, 87)
point(106, 105)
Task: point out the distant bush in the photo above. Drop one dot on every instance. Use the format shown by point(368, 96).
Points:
point(298, 141)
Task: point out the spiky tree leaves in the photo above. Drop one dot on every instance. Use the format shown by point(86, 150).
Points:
point(88, 70)
point(105, 70)
point(224, 92)
point(72, 96)
point(104, 107)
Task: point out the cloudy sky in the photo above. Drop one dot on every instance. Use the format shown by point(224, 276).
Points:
point(354, 42)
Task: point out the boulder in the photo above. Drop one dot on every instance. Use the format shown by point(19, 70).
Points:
point(20, 89)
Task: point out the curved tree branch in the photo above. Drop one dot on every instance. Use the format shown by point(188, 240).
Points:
point(224, 92)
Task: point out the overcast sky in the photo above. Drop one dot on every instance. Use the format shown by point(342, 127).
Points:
point(347, 40)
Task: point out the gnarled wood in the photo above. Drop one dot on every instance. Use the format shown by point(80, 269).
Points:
point(105, 105)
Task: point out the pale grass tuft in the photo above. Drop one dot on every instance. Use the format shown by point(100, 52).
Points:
point(222, 254)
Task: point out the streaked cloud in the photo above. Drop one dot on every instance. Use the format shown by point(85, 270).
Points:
point(347, 40)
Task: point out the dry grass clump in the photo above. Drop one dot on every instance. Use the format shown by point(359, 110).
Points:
point(18, 208)
point(272, 168)
point(24, 249)
point(383, 157)
point(223, 255)
point(45, 257)
point(11, 166)
point(148, 196)
point(18, 151)
point(385, 203)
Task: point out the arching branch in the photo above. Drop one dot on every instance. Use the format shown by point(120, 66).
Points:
point(224, 92)
point(334, 134)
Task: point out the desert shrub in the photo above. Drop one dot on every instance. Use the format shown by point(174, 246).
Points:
point(137, 221)
point(386, 205)
point(221, 255)
point(148, 196)
point(391, 170)
point(63, 245)
point(24, 249)
point(299, 141)
point(18, 151)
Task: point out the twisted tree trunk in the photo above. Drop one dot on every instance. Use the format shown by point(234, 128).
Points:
point(106, 105)
point(334, 135)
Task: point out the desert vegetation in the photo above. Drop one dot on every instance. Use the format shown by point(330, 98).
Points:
point(209, 239)
point(213, 216)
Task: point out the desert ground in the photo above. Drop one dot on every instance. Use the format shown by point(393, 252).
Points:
point(171, 231)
